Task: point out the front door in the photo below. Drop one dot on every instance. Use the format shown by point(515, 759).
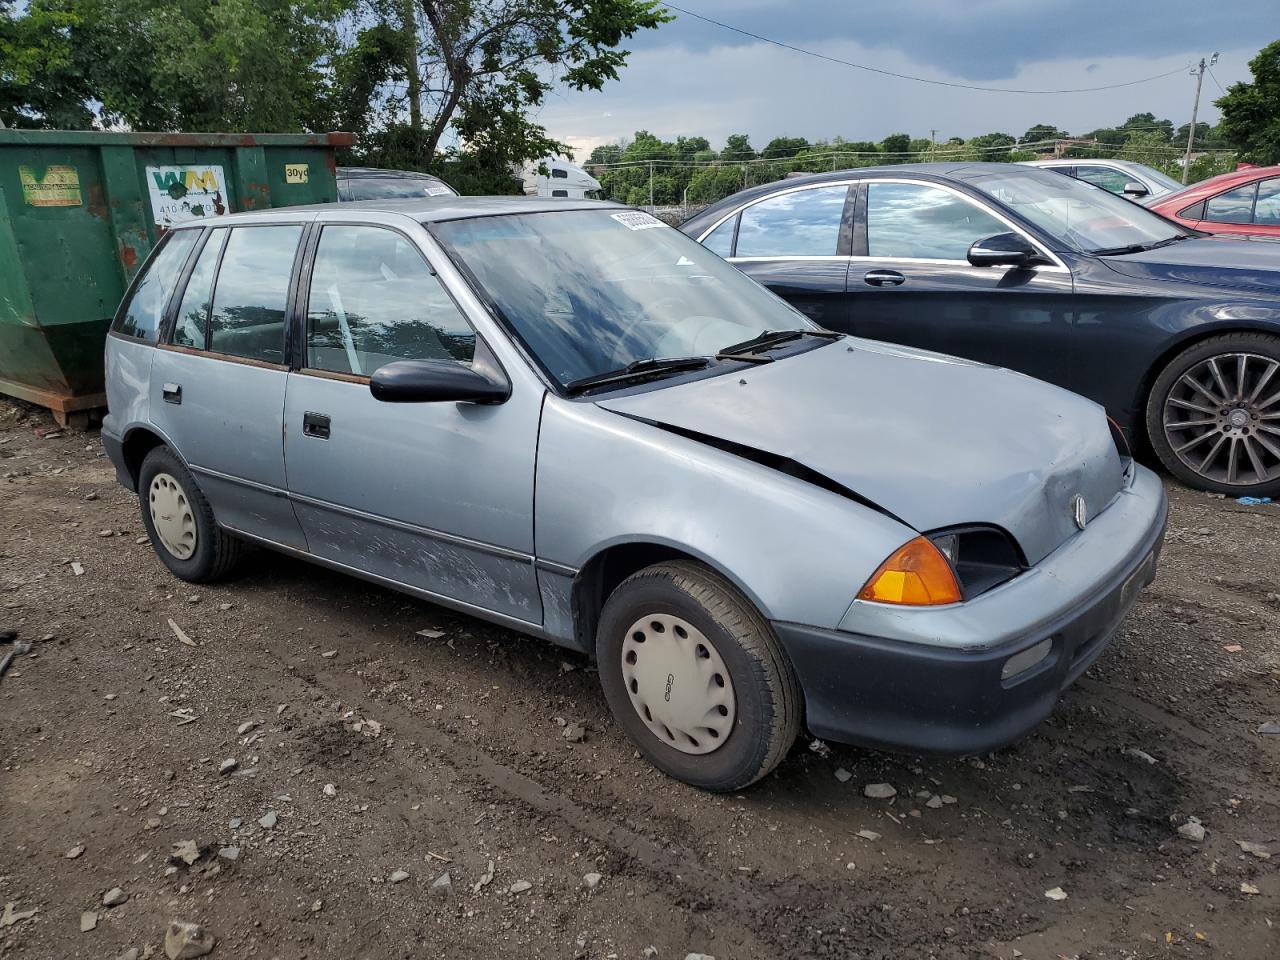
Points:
point(218, 381)
point(914, 285)
point(436, 496)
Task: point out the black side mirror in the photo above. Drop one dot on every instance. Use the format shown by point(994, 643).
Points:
point(1134, 189)
point(436, 381)
point(1003, 250)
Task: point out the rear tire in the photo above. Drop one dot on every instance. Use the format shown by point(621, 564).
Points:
point(1213, 416)
point(180, 521)
point(752, 715)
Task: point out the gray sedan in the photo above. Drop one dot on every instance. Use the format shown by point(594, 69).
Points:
point(569, 419)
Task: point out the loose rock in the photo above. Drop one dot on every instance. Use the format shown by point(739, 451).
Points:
point(13, 915)
point(229, 853)
point(592, 880)
point(114, 897)
point(879, 791)
point(185, 941)
point(843, 775)
point(869, 835)
point(88, 921)
point(520, 886)
point(442, 886)
point(1193, 830)
point(1258, 850)
point(574, 732)
point(1248, 889)
point(330, 790)
point(1057, 893)
point(74, 852)
point(188, 851)
point(228, 765)
point(398, 876)
point(268, 820)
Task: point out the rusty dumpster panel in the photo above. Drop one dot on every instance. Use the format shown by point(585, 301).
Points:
point(79, 212)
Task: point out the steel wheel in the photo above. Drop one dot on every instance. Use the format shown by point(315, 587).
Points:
point(678, 683)
point(1221, 419)
point(172, 516)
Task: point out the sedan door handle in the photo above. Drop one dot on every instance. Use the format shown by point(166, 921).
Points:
point(171, 392)
point(315, 425)
point(884, 278)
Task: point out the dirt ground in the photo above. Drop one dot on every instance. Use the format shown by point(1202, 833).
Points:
point(446, 753)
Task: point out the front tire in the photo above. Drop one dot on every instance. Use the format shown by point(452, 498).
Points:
point(180, 522)
point(1213, 415)
point(696, 678)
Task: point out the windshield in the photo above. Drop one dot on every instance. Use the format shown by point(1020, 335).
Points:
point(1078, 214)
point(591, 291)
point(1168, 184)
point(397, 188)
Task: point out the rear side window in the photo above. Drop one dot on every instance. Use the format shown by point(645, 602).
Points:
point(720, 240)
point(803, 223)
point(252, 292)
point(191, 325)
point(141, 316)
point(1267, 208)
point(1234, 206)
point(374, 300)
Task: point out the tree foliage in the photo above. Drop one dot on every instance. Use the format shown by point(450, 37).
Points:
point(1251, 111)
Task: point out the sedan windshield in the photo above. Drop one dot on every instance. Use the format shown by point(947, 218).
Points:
point(590, 292)
point(1081, 216)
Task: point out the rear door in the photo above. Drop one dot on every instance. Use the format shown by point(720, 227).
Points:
point(219, 376)
point(796, 243)
point(437, 496)
point(911, 283)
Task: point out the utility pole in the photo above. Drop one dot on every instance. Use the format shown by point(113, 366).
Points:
point(651, 206)
point(1198, 72)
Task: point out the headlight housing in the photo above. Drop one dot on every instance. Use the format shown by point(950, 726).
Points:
point(946, 566)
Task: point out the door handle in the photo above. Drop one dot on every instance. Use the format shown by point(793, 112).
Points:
point(884, 278)
point(171, 392)
point(315, 425)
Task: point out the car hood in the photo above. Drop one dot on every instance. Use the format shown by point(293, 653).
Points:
point(1248, 264)
point(933, 440)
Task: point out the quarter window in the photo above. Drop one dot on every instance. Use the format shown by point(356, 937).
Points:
point(252, 292)
point(802, 223)
point(1267, 208)
point(374, 300)
point(1104, 177)
point(720, 240)
point(913, 220)
point(191, 325)
point(1234, 206)
point(142, 314)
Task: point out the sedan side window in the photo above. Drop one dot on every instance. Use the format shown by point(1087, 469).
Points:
point(252, 292)
point(720, 240)
point(1267, 208)
point(374, 300)
point(141, 316)
point(916, 221)
point(191, 326)
point(1234, 206)
point(1104, 177)
point(802, 223)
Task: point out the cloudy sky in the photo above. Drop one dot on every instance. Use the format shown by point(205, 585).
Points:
point(690, 77)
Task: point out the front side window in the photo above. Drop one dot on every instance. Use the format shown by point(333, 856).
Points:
point(590, 291)
point(917, 221)
point(1234, 206)
point(252, 292)
point(1104, 177)
point(1267, 208)
point(802, 223)
point(141, 316)
point(374, 300)
point(191, 325)
point(560, 173)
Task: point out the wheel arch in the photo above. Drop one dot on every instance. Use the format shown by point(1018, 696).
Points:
point(139, 440)
point(1188, 339)
point(612, 563)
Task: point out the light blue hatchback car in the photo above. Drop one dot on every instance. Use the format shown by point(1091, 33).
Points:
point(572, 420)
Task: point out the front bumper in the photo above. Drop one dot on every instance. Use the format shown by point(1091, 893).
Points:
point(928, 680)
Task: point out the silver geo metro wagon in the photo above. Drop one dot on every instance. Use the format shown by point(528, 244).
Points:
point(571, 420)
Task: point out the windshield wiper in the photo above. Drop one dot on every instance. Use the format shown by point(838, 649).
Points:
point(636, 370)
point(772, 338)
point(1139, 247)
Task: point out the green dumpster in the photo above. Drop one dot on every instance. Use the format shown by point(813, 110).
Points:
point(80, 210)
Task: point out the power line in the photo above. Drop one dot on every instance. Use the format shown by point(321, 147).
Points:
point(1215, 81)
point(904, 76)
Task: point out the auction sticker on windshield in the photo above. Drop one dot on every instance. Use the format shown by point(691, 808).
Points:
point(635, 220)
point(187, 192)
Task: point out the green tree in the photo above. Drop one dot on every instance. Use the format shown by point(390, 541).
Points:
point(783, 147)
point(690, 148)
point(1251, 111)
point(895, 146)
point(1041, 132)
point(992, 146)
point(606, 153)
point(737, 147)
point(1145, 123)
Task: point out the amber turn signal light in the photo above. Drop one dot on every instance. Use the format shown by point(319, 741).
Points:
point(916, 574)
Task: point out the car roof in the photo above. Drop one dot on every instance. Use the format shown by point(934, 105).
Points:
point(422, 209)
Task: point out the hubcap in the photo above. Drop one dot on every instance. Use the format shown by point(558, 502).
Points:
point(678, 683)
point(1222, 418)
point(172, 517)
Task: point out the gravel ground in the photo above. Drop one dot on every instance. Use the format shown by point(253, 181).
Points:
point(371, 759)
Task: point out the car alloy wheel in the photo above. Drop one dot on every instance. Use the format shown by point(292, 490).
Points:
point(1222, 419)
point(172, 516)
point(678, 683)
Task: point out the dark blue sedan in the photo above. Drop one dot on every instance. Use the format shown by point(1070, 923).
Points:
point(1176, 333)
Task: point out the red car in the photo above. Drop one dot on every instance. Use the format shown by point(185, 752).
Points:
point(1246, 201)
